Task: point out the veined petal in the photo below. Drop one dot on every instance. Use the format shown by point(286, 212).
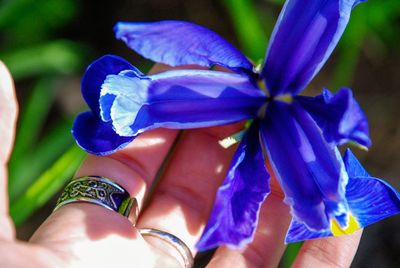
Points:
point(95, 136)
point(95, 75)
point(339, 116)
point(179, 43)
point(310, 171)
point(234, 217)
point(369, 199)
point(299, 232)
point(177, 99)
point(305, 35)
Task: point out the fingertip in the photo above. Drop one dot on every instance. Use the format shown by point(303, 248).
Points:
point(329, 251)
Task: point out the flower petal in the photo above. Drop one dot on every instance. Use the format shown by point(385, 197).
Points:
point(305, 35)
point(179, 43)
point(95, 74)
point(96, 136)
point(310, 171)
point(234, 217)
point(353, 166)
point(177, 99)
point(339, 116)
point(299, 232)
point(369, 199)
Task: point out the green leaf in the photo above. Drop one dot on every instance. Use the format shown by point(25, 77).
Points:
point(24, 22)
point(56, 57)
point(248, 27)
point(44, 154)
point(290, 254)
point(33, 116)
point(47, 185)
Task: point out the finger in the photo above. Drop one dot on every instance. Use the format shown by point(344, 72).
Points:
point(329, 252)
point(182, 201)
point(131, 168)
point(268, 246)
point(8, 117)
point(134, 168)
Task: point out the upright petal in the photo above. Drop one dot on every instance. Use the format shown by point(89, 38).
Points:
point(178, 43)
point(339, 116)
point(95, 75)
point(95, 136)
point(369, 199)
point(177, 99)
point(305, 35)
point(353, 166)
point(234, 217)
point(310, 171)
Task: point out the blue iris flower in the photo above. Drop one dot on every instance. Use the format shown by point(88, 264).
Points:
point(328, 195)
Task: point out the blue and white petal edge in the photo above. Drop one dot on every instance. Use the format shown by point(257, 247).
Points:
point(180, 43)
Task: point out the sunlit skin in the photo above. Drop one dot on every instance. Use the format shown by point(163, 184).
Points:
point(86, 235)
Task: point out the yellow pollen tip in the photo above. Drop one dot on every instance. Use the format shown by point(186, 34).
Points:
point(353, 226)
point(287, 98)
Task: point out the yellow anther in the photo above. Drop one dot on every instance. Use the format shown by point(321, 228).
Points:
point(353, 226)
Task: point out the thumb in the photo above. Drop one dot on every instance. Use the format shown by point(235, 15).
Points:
point(8, 113)
point(8, 116)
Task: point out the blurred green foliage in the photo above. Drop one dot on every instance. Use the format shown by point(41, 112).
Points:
point(45, 157)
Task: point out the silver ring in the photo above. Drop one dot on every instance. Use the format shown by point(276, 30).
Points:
point(100, 191)
point(174, 241)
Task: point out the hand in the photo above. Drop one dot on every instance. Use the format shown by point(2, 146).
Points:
point(86, 235)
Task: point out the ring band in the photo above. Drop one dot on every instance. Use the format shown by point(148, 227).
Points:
point(174, 241)
point(100, 191)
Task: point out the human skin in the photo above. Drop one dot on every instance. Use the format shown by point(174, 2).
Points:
point(82, 234)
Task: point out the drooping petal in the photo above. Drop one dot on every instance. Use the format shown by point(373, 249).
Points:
point(339, 116)
point(97, 137)
point(369, 199)
point(305, 35)
point(299, 232)
point(234, 217)
point(179, 43)
point(177, 99)
point(310, 170)
point(95, 75)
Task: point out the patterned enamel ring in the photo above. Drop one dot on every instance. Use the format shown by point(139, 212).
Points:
point(100, 191)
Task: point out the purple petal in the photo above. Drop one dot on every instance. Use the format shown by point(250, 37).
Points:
point(310, 171)
point(339, 116)
point(369, 199)
point(95, 75)
point(96, 136)
point(353, 166)
point(299, 232)
point(177, 99)
point(234, 217)
point(305, 35)
point(179, 43)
